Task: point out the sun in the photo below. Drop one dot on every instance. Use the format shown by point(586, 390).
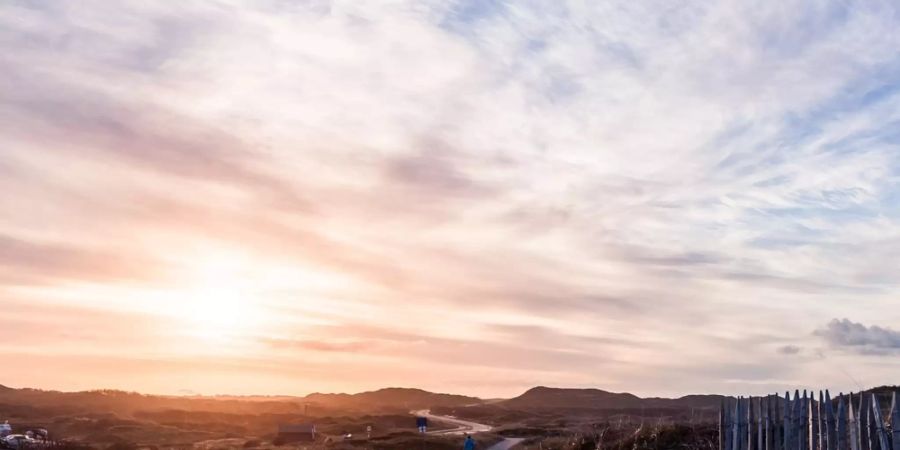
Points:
point(218, 306)
point(219, 299)
point(235, 297)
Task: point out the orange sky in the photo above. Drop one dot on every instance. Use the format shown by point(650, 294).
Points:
point(280, 198)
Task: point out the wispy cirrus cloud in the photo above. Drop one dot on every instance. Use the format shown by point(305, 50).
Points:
point(697, 185)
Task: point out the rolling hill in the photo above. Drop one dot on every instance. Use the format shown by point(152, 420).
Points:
point(390, 398)
point(548, 398)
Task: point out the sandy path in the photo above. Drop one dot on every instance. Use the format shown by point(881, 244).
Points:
point(506, 444)
point(465, 426)
point(462, 426)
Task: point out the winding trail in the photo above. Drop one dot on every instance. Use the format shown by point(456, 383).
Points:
point(462, 426)
point(506, 444)
point(466, 427)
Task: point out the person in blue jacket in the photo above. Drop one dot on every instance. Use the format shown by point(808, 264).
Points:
point(470, 443)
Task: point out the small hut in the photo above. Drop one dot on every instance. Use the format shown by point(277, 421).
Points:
point(300, 432)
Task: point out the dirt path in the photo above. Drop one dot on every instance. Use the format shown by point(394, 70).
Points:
point(465, 426)
point(506, 444)
point(462, 426)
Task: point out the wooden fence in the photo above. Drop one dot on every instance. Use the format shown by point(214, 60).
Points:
point(848, 422)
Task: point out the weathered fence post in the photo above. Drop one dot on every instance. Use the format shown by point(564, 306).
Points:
point(880, 432)
point(736, 426)
point(760, 425)
point(786, 421)
point(723, 426)
point(813, 423)
point(873, 429)
point(803, 423)
point(778, 431)
point(852, 424)
point(770, 429)
point(797, 415)
point(895, 421)
point(823, 439)
point(746, 422)
point(751, 428)
point(726, 404)
point(830, 435)
point(863, 419)
point(841, 424)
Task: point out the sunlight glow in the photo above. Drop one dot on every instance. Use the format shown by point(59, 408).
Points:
point(221, 298)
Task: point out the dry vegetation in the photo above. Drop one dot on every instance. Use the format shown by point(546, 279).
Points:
point(126, 421)
point(112, 420)
point(612, 437)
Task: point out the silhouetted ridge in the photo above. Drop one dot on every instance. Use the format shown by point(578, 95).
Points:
point(403, 398)
point(547, 397)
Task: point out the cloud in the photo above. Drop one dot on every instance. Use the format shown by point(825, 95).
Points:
point(29, 262)
point(856, 337)
point(789, 350)
point(322, 345)
point(432, 170)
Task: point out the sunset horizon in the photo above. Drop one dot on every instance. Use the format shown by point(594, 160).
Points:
point(302, 396)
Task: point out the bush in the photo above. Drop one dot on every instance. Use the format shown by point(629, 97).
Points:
point(122, 446)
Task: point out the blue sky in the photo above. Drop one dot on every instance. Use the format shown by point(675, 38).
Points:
point(479, 197)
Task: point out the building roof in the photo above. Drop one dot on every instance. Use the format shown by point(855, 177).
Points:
point(297, 428)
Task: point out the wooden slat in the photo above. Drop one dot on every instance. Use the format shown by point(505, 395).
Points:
point(852, 424)
point(798, 419)
point(777, 423)
point(863, 422)
point(770, 421)
point(787, 421)
point(735, 426)
point(803, 424)
point(823, 433)
point(895, 421)
point(880, 433)
point(813, 423)
point(873, 430)
point(722, 425)
point(841, 426)
point(760, 425)
point(830, 435)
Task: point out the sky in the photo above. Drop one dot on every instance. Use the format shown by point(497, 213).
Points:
point(478, 197)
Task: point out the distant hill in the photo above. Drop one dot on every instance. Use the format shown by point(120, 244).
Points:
point(543, 398)
point(538, 400)
point(127, 404)
point(546, 397)
point(405, 399)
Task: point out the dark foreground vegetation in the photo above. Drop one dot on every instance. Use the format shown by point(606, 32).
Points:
point(612, 437)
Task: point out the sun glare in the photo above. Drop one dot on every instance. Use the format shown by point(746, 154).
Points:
point(227, 296)
point(219, 300)
point(218, 306)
